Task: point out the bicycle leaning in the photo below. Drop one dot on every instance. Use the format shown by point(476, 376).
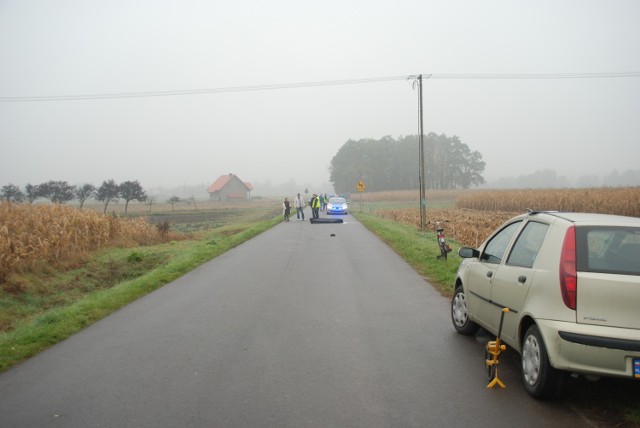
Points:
point(445, 249)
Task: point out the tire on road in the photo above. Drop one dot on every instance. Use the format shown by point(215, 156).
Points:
point(459, 314)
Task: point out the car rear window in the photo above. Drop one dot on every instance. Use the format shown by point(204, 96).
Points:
point(608, 250)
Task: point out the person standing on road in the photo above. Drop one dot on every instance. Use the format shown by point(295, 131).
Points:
point(315, 206)
point(286, 207)
point(298, 202)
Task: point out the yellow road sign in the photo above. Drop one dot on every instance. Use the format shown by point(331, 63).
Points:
point(360, 186)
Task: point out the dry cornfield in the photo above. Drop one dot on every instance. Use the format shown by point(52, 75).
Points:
point(468, 227)
point(184, 205)
point(480, 212)
point(405, 196)
point(614, 200)
point(30, 234)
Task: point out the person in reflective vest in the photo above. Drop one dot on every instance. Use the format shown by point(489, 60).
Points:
point(315, 206)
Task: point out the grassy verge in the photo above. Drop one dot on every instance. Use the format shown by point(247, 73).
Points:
point(43, 324)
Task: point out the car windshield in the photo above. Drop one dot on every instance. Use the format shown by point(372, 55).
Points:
point(337, 201)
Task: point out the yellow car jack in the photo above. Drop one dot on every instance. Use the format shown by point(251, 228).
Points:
point(491, 355)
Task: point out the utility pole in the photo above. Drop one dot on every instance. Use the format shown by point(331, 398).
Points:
point(423, 199)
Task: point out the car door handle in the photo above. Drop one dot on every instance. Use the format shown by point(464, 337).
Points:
point(489, 274)
point(522, 279)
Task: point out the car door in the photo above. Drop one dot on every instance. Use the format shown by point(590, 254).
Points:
point(510, 284)
point(481, 274)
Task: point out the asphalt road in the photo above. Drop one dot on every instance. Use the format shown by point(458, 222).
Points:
point(295, 328)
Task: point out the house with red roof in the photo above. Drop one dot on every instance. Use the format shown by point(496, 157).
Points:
point(229, 188)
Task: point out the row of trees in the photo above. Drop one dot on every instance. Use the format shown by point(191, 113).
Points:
point(550, 179)
point(60, 192)
point(389, 164)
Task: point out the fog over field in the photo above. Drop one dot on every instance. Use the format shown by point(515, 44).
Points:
point(178, 93)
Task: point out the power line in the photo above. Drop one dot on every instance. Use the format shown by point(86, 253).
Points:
point(201, 91)
point(254, 88)
point(535, 76)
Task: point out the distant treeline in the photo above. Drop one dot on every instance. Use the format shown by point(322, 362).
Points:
point(549, 179)
point(390, 164)
point(60, 192)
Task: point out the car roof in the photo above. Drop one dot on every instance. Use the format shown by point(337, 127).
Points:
point(587, 218)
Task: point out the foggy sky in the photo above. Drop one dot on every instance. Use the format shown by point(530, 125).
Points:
point(576, 126)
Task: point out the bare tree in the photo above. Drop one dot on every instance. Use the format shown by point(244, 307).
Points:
point(151, 200)
point(194, 202)
point(57, 192)
point(173, 200)
point(131, 190)
point(84, 192)
point(107, 192)
point(11, 193)
point(32, 192)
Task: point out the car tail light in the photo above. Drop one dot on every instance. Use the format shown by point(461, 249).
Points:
point(568, 276)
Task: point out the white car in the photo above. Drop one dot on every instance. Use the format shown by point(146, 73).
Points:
point(337, 205)
point(571, 282)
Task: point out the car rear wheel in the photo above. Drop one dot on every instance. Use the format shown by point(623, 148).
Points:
point(541, 380)
point(459, 314)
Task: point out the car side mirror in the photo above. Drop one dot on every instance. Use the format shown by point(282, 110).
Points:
point(468, 253)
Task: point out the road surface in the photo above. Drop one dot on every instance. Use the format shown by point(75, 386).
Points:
point(306, 325)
